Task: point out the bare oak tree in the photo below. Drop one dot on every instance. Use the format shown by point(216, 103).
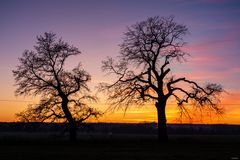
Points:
point(144, 75)
point(63, 93)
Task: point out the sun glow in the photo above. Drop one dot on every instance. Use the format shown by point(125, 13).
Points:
point(144, 114)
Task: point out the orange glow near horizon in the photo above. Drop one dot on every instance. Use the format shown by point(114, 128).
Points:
point(146, 114)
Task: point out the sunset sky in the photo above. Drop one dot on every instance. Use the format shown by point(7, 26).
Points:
point(96, 27)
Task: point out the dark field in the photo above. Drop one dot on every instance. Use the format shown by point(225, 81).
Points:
point(125, 147)
point(117, 146)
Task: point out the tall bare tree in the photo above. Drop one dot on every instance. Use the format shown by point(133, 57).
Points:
point(63, 93)
point(144, 75)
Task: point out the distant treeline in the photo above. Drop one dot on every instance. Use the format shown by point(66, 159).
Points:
point(124, 128)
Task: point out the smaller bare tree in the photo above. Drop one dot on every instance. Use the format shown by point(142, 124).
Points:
point(143, 71)
point(63, 93)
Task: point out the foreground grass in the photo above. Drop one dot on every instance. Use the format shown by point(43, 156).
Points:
point(122, 147)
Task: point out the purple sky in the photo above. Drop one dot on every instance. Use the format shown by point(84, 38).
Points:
point(96, 27)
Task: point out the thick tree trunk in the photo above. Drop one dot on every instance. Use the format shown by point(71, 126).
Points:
point(72, 131)
point(162, 122)
point(72, 124)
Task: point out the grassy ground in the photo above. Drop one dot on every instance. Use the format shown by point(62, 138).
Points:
point(122, 147)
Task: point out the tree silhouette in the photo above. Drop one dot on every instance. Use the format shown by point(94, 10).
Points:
point(144, 75)
point(63, 93)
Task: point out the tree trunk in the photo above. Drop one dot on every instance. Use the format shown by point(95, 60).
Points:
point(72, 124)
point(72, 131)
point(162, 122)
